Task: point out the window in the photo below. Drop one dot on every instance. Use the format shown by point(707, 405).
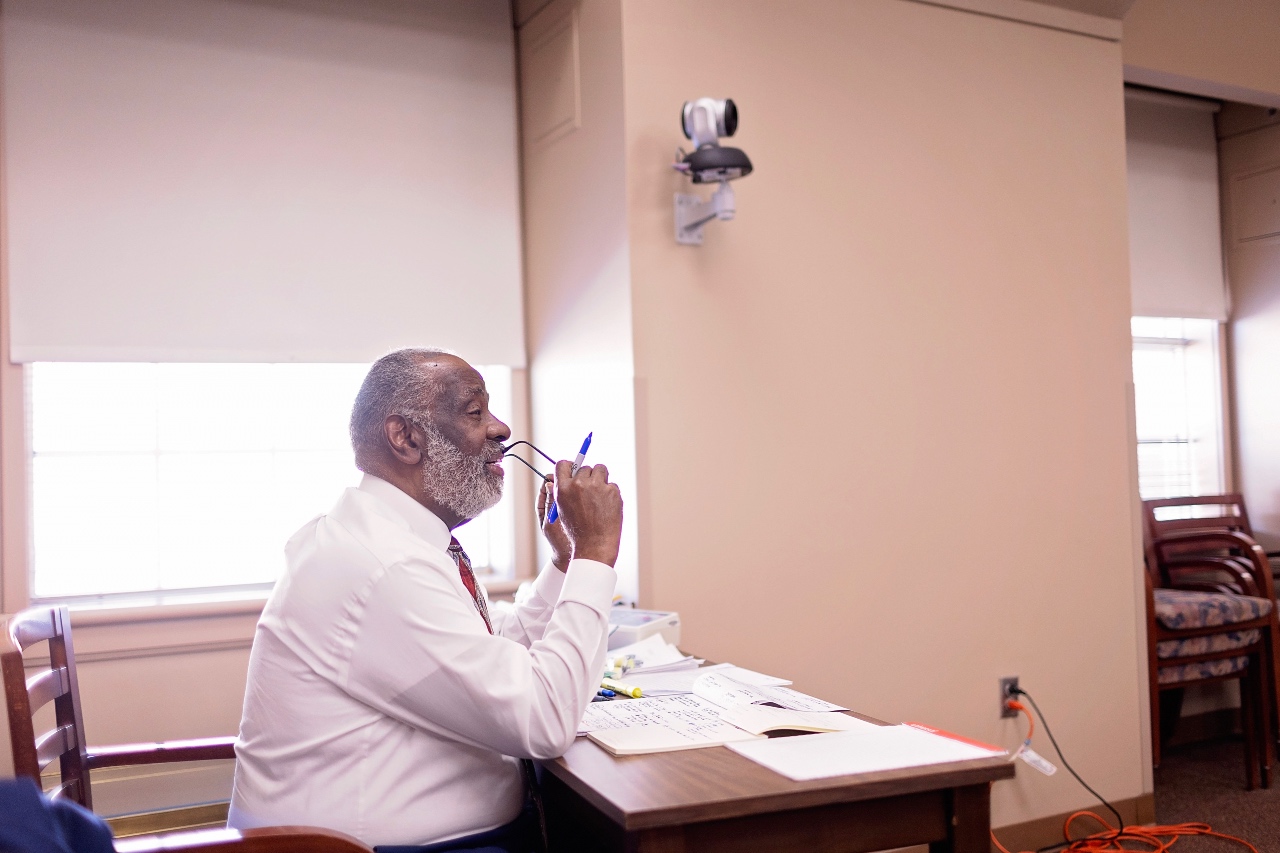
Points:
point(1178, 400)
point(156, 481)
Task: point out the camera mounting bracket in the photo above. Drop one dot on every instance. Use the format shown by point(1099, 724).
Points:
point(693, 212)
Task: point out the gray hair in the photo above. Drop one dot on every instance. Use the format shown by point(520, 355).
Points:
point(395, 385)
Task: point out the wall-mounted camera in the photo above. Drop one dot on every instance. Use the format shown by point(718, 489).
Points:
point(704, 122)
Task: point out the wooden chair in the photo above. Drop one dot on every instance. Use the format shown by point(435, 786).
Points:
point(56, 682)
point(1165, 519)
point(1176, 526)
point(1203, 512)
point(267, 839)
point(1201, 636)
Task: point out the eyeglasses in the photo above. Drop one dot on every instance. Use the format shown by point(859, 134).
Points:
point(506, 453)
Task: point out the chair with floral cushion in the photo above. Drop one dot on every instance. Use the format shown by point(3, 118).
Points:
point(1203, 635)
point(1205, 542)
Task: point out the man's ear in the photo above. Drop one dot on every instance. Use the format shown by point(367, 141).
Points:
point(403, 442)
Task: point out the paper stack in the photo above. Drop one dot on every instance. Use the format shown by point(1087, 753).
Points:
point(679, 681)
point(654, 654)
point(707, 707)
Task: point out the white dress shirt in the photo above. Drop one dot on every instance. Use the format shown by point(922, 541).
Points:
point(377, 702)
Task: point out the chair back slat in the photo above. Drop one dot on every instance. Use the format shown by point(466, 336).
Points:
point(47, 686)
point(22, 734)
point(33, 626)
point(56, 683)
point(54, 744)
point(67, 790)
point(1197, 512)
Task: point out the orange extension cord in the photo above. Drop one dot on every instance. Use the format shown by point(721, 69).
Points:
point(1031, 721)
point(1153, 839)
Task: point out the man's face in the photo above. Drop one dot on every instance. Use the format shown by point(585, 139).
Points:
point(462, 468)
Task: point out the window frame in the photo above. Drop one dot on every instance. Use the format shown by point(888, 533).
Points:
point(1219, 341)
point(180, 606)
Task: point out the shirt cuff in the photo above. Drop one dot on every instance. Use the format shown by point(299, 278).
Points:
point(591, 583)
point(548, 583)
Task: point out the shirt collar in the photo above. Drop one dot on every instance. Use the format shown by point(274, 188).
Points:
point(422, 521)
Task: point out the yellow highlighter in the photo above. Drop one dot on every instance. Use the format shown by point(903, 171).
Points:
point(619, 687)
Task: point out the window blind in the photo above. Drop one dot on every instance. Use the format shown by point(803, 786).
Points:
point(1175, 242)
point(226, 180)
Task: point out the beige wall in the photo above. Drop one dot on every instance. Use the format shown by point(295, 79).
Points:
point(1219, 49)
point(882, 418)
point(1248, 161)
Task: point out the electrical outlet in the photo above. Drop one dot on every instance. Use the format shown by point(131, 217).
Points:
point(1007, 686)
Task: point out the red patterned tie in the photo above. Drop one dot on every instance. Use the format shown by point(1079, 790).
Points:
point(469, 579)
point(526, 766)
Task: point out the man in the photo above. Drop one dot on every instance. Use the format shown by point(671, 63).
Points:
point(385, 699)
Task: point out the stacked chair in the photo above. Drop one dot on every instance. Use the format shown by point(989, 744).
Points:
point(53, 679)
point(1211, 614)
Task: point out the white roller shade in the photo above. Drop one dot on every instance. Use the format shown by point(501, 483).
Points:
point(1175, 231)
point(228, 180)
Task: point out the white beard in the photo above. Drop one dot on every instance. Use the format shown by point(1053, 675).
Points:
point(459, 483)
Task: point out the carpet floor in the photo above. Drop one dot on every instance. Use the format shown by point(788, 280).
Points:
point(1204, 783)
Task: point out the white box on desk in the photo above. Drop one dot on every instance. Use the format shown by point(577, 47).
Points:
point(628, 625)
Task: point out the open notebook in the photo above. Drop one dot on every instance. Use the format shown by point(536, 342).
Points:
point(644, 739)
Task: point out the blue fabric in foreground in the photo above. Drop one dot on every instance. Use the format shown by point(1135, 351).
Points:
point(32, 823)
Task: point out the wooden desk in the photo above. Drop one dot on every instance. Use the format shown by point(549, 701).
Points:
point(715, 800)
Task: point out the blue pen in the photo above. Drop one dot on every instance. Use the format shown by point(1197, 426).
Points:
point(553, 513)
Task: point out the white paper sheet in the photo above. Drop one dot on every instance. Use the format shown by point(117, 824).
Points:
point(681, 681)
point(759, 719)
point(726, 692)
point(862, 751)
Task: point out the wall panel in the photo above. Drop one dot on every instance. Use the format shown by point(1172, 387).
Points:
point(888, 446)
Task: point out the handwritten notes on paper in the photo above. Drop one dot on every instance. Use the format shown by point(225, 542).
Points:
point(662, 739)
point(661, 724)
point(708, 707)
point(686, 713)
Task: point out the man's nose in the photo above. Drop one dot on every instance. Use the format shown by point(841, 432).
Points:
point(498, 431)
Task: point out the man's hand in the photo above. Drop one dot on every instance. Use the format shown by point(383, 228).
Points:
point(590, 511)
point(561, 547)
